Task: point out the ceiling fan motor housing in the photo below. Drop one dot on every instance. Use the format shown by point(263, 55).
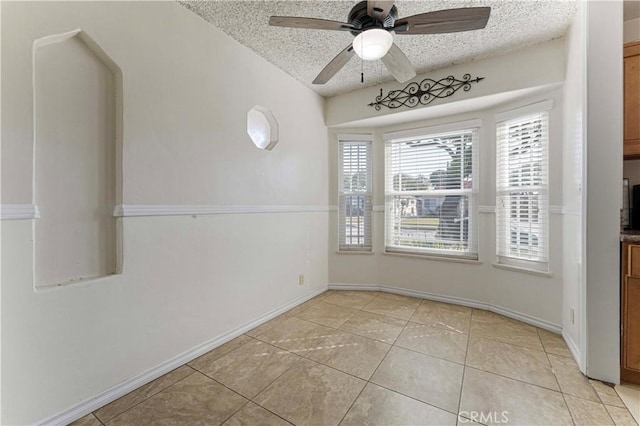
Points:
point(378, 19)
point(358, 18)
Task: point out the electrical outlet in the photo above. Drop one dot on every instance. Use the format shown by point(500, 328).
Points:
point(301, 279)
point(572, 313)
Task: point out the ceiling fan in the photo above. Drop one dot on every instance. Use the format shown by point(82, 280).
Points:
point(372, 24)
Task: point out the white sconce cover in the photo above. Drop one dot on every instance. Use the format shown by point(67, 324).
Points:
point(262, 127)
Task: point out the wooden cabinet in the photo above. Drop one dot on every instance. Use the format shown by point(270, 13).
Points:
point(630, 313)
point(632, 100)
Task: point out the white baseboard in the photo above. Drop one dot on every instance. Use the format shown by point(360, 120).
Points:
point(430, 296)
point(575, 351)
point(361, 287)
point(88, 406)
point(528, 319)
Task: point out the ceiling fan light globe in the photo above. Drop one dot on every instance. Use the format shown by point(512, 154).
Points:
point(372, 44)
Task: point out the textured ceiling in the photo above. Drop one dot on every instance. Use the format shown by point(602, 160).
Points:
point(304, 53)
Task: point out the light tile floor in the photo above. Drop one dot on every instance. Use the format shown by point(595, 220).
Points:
point(368, 358)
point(630, 394)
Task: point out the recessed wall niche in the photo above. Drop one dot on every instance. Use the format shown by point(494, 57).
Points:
point(77, 159)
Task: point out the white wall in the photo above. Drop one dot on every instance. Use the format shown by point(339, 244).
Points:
point(532, 297)
point(535, 66)
point(573, 297)
point(589, 154)
point(186, 280)
point(75, 160)
point(603, 180)
point(631, 30)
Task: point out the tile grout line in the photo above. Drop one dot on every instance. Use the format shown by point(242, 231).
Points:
point(97, 419)
point(599, 398)
point(301, 356)
point(394, 345)
point(257, 393)
point(464, 368)
point(145, 399)
point(518, 379)
point(223, 355)
point(411, 397)
point(466, 355)
point(238, 393)
point(353, 403)
point(370, 377)
point(317, 326)
point(513, 344)
point(395, 391)
point(195, 370)
point(235, 412)
point(372, 338)
point(435, 356)
point(521, 380)
point(493, 339)
point(353, 334)
point(151, 396)
point(571, 395)
point(335, 369)
point(624, 402)
point(391, 345)
point(249, 400)
point(564, 399)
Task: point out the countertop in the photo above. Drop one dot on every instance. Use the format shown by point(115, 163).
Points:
point(630, 235)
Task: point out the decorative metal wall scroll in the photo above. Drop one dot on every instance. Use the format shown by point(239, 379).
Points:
point(424, 93)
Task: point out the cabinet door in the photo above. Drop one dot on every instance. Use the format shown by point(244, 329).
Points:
point(631, 315)
point(632, 100)
point(634, 260)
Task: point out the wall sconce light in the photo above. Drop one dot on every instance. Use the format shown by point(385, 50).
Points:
point(262, 127)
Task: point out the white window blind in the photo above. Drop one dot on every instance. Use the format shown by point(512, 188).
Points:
point(430, 194)
point(522, 204)
point(355, 195)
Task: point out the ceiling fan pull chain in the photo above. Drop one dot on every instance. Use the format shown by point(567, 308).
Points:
point(362, 62)
point(378, 21)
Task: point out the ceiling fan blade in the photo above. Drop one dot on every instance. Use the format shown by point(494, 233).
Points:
point(335, 65)
point(309, 23)
point(398, 64)
point(444, 21)
point(379, 9)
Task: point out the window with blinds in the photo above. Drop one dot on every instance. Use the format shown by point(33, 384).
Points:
point(522, 201)
point(355, 195)
point(430, 193)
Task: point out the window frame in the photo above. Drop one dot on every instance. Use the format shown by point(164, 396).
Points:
point(503, 255)
point(367, 204)
point(472, 254)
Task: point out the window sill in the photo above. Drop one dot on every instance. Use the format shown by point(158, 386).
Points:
point(436, 258)
point(524, 270)
point(366, 253)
